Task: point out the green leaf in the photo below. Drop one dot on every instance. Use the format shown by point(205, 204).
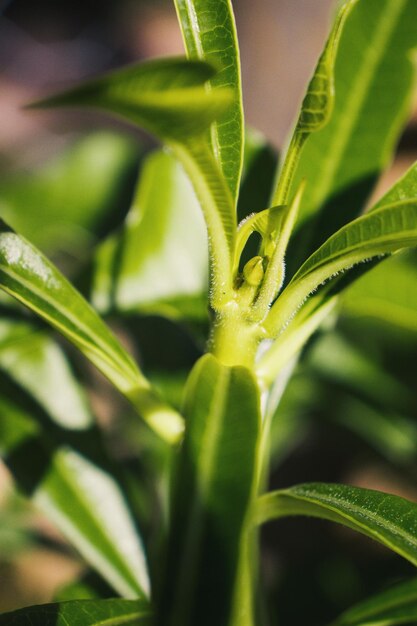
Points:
point(153, 260)
point(33, 360)
point(81, 613)
point(389, 519)
point(387, 293)
point(214, 486)
point(169, 97)
point(56, 459)
point(342, 161)
point(316, 107)
point(63, 205)
point(405, 188)
point(87, 505)
point(375, 234)
point(209, 33)
point(397, 605)
point(29, 277)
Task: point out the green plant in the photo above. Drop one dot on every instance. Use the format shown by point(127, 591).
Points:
point(204, 561)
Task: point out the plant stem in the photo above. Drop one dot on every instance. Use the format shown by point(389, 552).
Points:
point(234, 341)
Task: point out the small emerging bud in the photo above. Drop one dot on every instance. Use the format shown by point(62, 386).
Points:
point(253, 271)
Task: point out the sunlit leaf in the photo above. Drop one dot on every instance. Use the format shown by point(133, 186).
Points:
point(316, 107)
point(209, 33)
point(342, 161)
point(375, 234)
point(28, 276)
point(389, 519)
point(33, 360)
point(56, 458)
point(169, 97)
point(154, 261)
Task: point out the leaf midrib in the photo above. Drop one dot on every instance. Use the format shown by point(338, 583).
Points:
point(331, 503)
point(356, 99)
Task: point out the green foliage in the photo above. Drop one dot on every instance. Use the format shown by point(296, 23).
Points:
point(82, 613)
point(166, 511)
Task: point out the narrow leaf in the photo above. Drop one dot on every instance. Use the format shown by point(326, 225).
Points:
point(389, 519)
point(374, 86)
point(375, 234)
point(213, 490)
point(166, 96)
point(81, 613)
point(29, 277)
point(209, 34)
point(57, 459)
point(397, 605)
point(316, 108)
point(169, 98)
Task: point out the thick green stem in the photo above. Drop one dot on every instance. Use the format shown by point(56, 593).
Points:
point(234, 341)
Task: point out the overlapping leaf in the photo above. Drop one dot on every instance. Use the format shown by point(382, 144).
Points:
point(28, 276)
point(56, 458)
point(169, 97)
point(342, 161)
point(380, 232)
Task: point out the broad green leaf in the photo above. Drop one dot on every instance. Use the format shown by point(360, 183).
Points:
point(397, 605)
point(64, 205)
point(81, 613)
point(342, 161)
point(33, 360)
point(169, 98)
point(209, 33)
point(387, 293)
point(389, 519)
point(375, 234)
point(214, 485)
point(29, 277)
point(77, 490)
point(154, 260)
point(316, 107)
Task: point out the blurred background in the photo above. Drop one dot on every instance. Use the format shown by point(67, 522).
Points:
point(47, 45)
